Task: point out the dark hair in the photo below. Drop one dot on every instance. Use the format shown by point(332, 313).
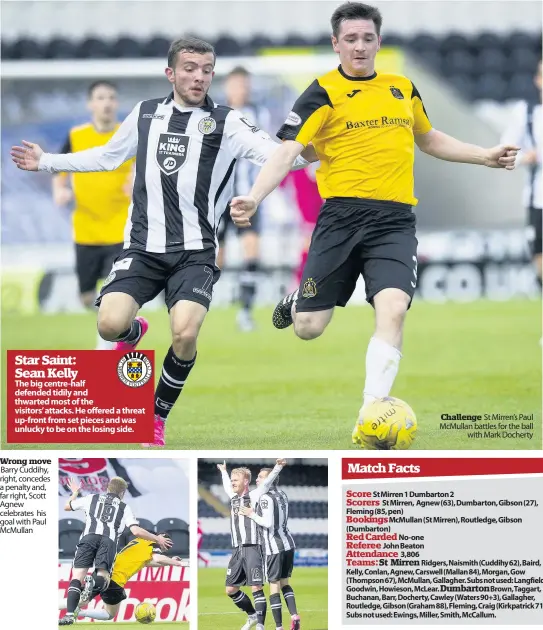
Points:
point(356, 11)
point(99, 83)
point(268, 470)
point(239, 71)
point(190, 44)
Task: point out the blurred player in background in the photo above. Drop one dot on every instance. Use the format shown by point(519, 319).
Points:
point(363, 126)
point(247, 564)
point(237, 89)
point(101, 200)
point(106, 517)
point(306, 193)
point(525, 129)
point(271, 514)
point(136, 555)
point(171, 230)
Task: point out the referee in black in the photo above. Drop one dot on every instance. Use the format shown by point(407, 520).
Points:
point(186, 149)
point(106, 517)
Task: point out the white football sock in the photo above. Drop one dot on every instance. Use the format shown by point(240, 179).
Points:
point(382, 362)
point(102, 344)
point(102, 615)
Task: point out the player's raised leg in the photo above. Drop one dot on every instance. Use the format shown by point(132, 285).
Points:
point(117, 320)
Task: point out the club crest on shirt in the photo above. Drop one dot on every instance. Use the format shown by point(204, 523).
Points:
point(309, 289)
point(396, 92)
point(207, 125)
point(171, 152)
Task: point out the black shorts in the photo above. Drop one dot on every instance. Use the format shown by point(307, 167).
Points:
point(246, 566)
point(226, 223)
point(114, 594)
point(93, 263)
point(143, 275)
point(280, 565)
point(358, 236)
point(535, 218)
point(95, 550)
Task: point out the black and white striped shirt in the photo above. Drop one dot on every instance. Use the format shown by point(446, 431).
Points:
point(185, 157)
point(243, 529)
point(272, 517)
point(105, 514)
point(525, 129)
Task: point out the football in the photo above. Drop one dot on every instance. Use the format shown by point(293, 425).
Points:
point(386, 424)
point(145, 612)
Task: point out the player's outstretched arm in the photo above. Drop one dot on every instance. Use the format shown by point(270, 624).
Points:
point(162, 541)
point(160, 560)
point(75, 487)
point(444, 147)
point(121, 147)
point(267, 483)
point(226, 483)
point(274, 171)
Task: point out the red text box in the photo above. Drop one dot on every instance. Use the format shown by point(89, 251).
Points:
point(80, 396)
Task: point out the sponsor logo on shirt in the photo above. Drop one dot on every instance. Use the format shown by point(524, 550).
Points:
point(293, 119)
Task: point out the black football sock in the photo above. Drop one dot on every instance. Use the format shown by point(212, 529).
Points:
point(74, 593)
point(290, 600)
point(277, 609)
point(247, 284)
point(261, 605)
point(174, 373)
point(131, 335)
point(243, 602)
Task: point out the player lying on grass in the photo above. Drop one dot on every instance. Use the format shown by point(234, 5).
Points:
point(136, 555)
point(364, 126)
point(271, 515)
point(247, 564)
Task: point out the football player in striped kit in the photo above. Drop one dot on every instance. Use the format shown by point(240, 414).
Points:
point(247, 564)
point(106, 517)
point(271, 514)
point(186, 149)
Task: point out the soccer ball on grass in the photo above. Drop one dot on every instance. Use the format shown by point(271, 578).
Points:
point(386, 424)
point(145, 612)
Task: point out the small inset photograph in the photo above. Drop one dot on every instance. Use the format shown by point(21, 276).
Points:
point(124, 542)
point(263, 544)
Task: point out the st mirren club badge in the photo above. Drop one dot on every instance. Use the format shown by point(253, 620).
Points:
point(134, 369)
point(207, 125)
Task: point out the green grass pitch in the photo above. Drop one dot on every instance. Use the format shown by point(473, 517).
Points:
point(217, 612)
point(480, 357)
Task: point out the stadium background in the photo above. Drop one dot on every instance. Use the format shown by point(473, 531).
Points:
point(158, 494)
point(305, 482)
point(471, 61)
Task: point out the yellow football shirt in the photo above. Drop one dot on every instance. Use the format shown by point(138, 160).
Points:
point(101, 201)
point(363, 132)
point(131, 559)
